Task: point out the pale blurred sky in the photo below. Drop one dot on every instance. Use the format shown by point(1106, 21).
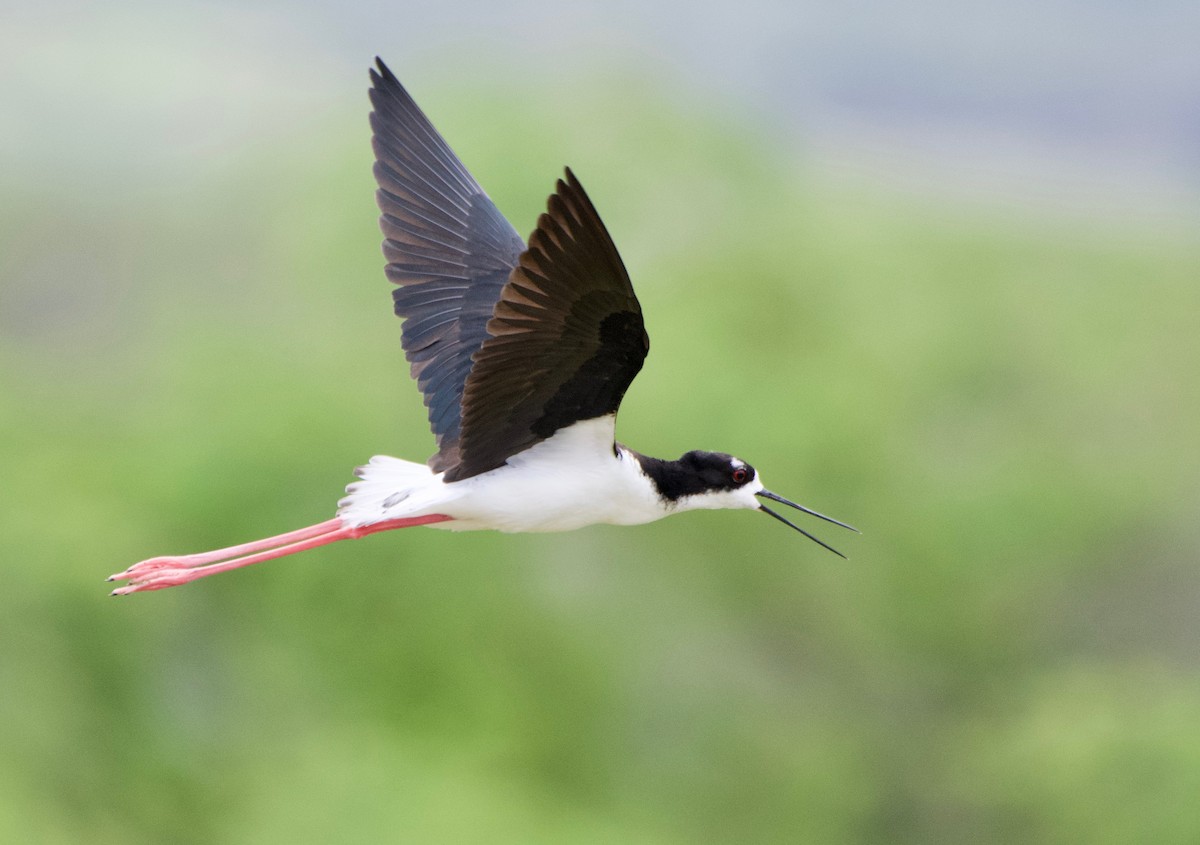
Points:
point(1068, 102)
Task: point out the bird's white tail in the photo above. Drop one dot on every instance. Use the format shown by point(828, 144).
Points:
point(389, 488)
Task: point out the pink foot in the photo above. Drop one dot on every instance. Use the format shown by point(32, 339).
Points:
point(165, 575)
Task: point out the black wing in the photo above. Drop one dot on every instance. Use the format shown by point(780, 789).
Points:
point(448, 248)
point(565, 341)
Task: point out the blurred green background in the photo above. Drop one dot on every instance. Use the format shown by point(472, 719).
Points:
point(993, 375)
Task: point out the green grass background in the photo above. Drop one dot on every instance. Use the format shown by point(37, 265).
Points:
point(1004, 399)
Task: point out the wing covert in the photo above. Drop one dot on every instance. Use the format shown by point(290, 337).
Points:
point(564, 343)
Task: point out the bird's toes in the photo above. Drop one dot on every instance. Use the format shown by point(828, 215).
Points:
point(146, 567)
point(159, 578)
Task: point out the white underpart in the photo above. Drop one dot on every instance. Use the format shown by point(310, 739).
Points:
point(568, 481)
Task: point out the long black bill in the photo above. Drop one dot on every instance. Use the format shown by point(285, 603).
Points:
point(767, 494)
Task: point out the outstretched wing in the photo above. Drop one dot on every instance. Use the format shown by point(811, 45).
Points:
point(565, 341)
point(448, 248)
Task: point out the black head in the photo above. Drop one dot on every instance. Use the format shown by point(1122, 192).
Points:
point(716, 480)
point(696, 473)
point(716, 470)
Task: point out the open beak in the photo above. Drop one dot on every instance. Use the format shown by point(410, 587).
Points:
point(767, 494)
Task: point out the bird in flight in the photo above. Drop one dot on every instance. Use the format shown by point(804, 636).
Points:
point(522, 351)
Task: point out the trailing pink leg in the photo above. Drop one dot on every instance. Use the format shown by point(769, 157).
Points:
point(175, 561)
point(157, 573)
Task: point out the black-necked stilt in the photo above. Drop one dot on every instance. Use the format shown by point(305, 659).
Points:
point(522, 352)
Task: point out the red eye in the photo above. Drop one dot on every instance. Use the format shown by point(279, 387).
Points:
point(739, 476)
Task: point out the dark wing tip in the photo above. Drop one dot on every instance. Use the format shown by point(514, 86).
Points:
point(383, 79)
point(384, 71)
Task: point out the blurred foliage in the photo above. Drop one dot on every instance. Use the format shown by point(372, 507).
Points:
point(1006, 403)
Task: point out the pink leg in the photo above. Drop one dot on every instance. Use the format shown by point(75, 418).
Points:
point(157, 573)
point(175, 561)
